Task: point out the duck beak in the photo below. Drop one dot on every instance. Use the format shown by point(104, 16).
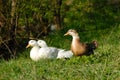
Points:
point(66, 34)
point(28, 46)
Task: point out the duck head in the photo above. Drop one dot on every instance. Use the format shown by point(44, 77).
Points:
point(31, 43)
point(71, 32)
point(42, 43)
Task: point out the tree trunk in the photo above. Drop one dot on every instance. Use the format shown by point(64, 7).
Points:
point(57, 15)
point(12, 28)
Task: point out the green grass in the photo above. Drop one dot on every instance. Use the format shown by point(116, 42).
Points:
point(103, 65)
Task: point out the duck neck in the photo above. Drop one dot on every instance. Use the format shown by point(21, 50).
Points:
point(75, 41)
point(76, 38)
point(35, 49)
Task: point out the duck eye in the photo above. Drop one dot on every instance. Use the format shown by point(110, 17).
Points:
point(39, 41)
point(32, 41)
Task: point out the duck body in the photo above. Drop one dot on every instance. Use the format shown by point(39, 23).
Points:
point(91, 47)
point(34, 53)
point(64, 54)
point(79, 48)
point(61, 53)
point(49, 52)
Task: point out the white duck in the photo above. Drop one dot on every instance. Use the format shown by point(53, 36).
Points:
point(61, 52)
point(37, 53)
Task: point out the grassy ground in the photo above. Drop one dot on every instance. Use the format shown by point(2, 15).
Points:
point(103, 65)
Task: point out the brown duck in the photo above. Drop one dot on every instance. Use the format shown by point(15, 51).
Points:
point(79, 48)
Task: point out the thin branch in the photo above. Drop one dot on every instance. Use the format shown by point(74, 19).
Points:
point(5, 45)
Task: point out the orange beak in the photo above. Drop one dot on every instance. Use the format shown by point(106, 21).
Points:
point(28, 46)
point(66, 34)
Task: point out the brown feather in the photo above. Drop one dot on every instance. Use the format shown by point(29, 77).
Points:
point(78, 48)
